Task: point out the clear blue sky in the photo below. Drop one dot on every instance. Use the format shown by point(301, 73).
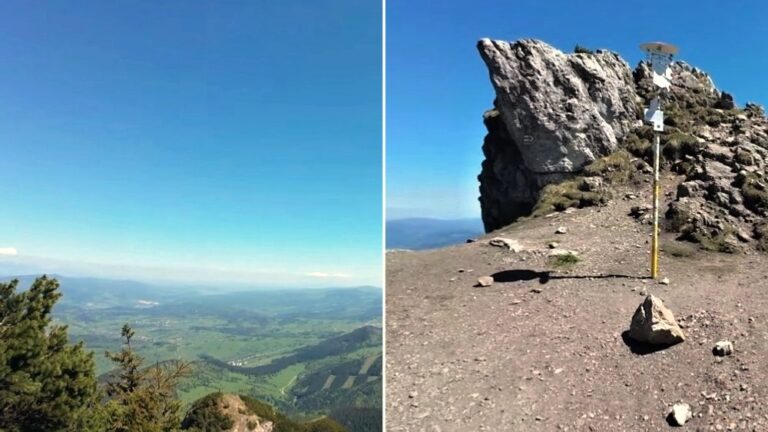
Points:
point(192, 139)
point(438, 88)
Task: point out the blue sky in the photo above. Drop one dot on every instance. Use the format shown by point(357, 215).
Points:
point(438, 88)
point(230, 141)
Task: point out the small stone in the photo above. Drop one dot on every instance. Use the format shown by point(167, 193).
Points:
point(413, 394)
point(679, 414)
point(639, 211)
point(561, 230)
point(562, 252)
point(553, 245)
point(723, 348)
point(743, 236)
point(485, 281)
point(664, 281)
point(507, 243)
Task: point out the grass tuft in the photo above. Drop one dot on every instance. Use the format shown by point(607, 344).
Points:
point(616, 167)
point(565, 260)
point(678, 249)
point(755, 193)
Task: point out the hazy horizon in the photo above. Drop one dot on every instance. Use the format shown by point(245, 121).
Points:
point(214, 278)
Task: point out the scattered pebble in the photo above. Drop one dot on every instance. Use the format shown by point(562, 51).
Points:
point(485, 281)
point(723, 348)
point(679, 414)
point(664, 281)
point(561, 230)
point(509, 244)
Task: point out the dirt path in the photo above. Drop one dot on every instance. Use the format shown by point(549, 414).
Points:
point(282, 390)
point(544, 350)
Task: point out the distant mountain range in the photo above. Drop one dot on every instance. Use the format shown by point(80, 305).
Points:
point(103, 293)
point(427, 233)
point(81, 295)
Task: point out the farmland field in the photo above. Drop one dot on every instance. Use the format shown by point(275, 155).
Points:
point(262, 343)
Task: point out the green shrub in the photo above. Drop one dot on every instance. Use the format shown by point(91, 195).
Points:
point(677, 219)
point(713, 116)
point(638, 146)
point(761, 234)
point(564, 260)
point(717, 243)
point(579, 49)
point(323, 425)
point(678, 249)
point(755, 193)
point(754, 110)
point(205, 415)
point(267, 412)
point(560, 196)
point(616, 167)
point(678, 144)
point(676, 117)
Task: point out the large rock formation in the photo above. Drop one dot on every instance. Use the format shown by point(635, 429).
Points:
point(553, 114)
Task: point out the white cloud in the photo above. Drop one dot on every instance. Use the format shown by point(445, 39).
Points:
point(329, 275)
point(8, 251)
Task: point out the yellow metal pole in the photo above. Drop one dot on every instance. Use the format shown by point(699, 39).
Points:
point(656, 187)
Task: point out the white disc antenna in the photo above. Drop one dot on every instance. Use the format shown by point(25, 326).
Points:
point(659, 55)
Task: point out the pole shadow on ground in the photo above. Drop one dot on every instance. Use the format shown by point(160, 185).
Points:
point(518, 275)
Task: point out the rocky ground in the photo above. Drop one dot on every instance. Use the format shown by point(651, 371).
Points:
point(545, 346)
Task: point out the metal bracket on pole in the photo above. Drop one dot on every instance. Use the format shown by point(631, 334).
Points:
point(654, 115)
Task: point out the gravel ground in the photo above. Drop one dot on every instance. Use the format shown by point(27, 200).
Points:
point(544, 347)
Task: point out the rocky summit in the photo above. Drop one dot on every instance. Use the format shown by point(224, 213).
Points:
point(572, 335)
point(565, 129)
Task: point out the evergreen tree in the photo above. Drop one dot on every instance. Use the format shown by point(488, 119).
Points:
point(143, 399)
point(46, 384)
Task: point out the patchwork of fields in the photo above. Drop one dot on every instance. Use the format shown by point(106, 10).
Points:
point(281, 349)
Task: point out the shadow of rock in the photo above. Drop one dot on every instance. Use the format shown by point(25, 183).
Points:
point(671, 419)
point(520, 275)
point(641, 348)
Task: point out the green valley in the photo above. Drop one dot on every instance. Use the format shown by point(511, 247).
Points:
point(277, 346)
